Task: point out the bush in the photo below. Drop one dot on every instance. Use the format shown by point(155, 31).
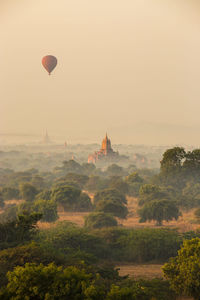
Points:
point(149, 192)
point(134, 188)
point(112, 207)
point(197, 214)
point(45, 195)
point(99, 220)
point(28, 191)
point(164, 210)
point(110, 194)
point(47, 208)
point(20, 255)
point(134, 178)
point(96, 183)
point(9, 214)
point(10, 193)
point(118, 184)
point(1, 200)
point(72, 199)
point(67, 196)
point(51, 282)
point(84, 203)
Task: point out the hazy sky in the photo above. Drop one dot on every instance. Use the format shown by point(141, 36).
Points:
point(129, 67)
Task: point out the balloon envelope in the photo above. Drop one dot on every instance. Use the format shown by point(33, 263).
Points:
point(49, 63)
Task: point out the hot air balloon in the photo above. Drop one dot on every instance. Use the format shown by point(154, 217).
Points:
point(49, 62)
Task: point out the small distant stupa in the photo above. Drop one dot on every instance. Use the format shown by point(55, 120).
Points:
point(106, 151)
point(46, 139)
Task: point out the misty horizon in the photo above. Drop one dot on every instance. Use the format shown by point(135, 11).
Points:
point(132, 70)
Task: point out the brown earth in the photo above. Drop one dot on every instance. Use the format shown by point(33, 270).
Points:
point(148, 271)
point(185, 223)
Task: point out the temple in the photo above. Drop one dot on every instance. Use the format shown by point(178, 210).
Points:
point(46, 139)
point(106, 152)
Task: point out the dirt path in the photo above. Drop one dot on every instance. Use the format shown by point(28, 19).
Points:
point(141, 271)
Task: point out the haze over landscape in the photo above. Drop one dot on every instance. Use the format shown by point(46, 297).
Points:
point(130, 68)
point(100, 162)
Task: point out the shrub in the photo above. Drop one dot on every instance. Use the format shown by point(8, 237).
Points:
point(110, 194)
point(99, 220)
point(112, 207)
point(10, 193)
point(164, 210)
point(47, 208)
point(84, 203)
point(28, 191)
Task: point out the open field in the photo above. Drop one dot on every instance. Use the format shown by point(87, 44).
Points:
point(185, 223)
point(148, 271)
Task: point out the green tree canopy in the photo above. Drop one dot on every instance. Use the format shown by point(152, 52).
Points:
point(110, 194)
point(71, 198)
point(67, 196)
point(1, 200)
point(134, 178)
point(51, 282)
point(183, 271)
point(149, 192)
point(99, 220)
point(115, 208)
point(28, 191)
point(117, 183)
point(48, 209)
point(159, 211)
point(115, 170)
point(10, 193)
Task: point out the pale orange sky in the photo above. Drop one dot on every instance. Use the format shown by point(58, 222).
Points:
point(129, 67)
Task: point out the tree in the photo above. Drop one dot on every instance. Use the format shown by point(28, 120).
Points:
point(159, 211)
point(171, 170)
point(96, 183)
point(88, 168)
point(197, 214)
point(134, 182)
point(20, 255)
point(45, 195)
point(191, 165)
point(78, 180)
point(110, 194)
point(134, 178)
point(9, 214)
point(117, 183)
point(19, 230)
point(51, 282)
point(10, 193)
point(115, 208)
point(149, 192)
point(67, 196)
point(99, 220)
point(38, 182)
point(135, 292)
point(84, 203)
point(115, 170)
point(183, 271)
point(47, 208)
point(172, 161)
point(72, 199)
point(190, 196)
point(28, 191)
point(1, 200)
point(71, 166)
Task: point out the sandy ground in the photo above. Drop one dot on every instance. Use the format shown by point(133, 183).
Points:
point(148, 271)
point(185, 223)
